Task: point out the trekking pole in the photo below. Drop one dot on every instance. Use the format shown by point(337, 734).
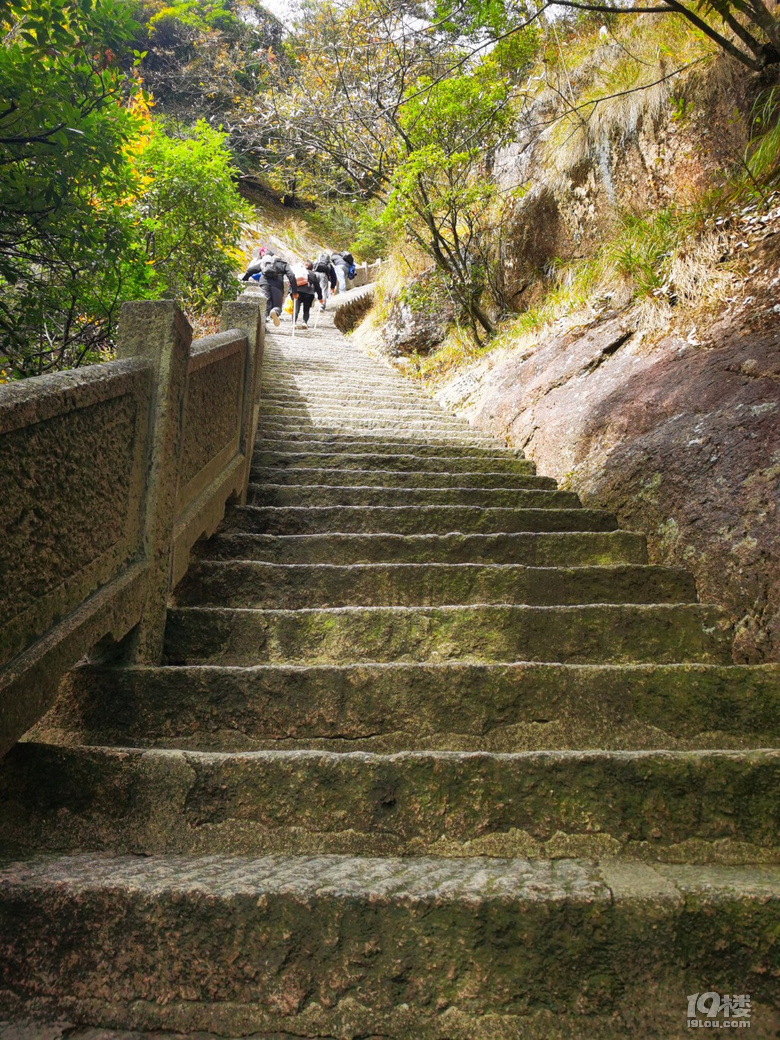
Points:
point(293, 316)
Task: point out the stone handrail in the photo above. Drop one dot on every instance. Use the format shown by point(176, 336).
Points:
point(366, 273)
point(110, 475)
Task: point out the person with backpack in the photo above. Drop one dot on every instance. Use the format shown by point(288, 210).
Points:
point(254, 264)
point(307, 286)
point(326, 276)
point(342, 264)
point(270, 277)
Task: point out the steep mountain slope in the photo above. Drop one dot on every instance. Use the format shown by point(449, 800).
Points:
point(678, 435)
point(642, 371)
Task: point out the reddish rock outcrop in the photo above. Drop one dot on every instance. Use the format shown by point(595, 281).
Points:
point(682, 441)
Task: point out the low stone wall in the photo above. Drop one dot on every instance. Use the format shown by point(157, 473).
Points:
point(350, 310)
point(110, 475)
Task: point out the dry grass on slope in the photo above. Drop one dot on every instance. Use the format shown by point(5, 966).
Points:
point(670, 264)
point(613, 83)
point(297, 233)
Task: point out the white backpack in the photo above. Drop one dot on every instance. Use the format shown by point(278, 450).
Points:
point(300, 274)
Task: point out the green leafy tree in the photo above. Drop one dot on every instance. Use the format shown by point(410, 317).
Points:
point(190, 215)
point(748, 30)
point(385, 103)
point(66, 118)
point(495, 23)
point(442, 194)
point(745, 29)
point(97, 206)
point(335, 102)
point(211, 59)
point(62, 128)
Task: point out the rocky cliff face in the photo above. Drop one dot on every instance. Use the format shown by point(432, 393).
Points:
point(673, 423)
point(645, 151)
point(681, 437)
point(418, 316)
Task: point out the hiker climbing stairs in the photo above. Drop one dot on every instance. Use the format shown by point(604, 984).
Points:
point(434, 752)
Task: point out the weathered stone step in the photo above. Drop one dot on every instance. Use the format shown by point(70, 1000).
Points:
point(388, 397)
point(428, 947)
point(704, 806)
point(314, 393)
point(352, 387)
point(433, 462)
point(376, 446)
point(331, 356)
point(302, 380)
point(409, 430)
point(367, 416)
point(307, 419)
point(605, 633)
point(308, 413)
point(270, 428)
point(400, 479)
point(329, 370)
point(317, 495)
point(321, 396)
point(295, 586)
point(394, 414)
point(397, 707)
point(327, 360)
point(415, 519)
point(308, 381)
point(585, 548)
point(378, 435)
point(312, 407)
point(381, 437)
point(283, 374)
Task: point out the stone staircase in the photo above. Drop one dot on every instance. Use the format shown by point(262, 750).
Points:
point(435, 754)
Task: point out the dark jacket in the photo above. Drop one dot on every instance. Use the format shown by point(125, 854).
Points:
point(326, 267)
point(253, 268)
point(277, 277)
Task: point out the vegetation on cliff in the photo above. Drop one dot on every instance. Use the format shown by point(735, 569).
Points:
point(630, 145)
point(488, 142)
point(452, 134)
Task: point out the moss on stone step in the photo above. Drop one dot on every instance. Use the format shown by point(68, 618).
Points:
point(530, 548)
point(316, 495)
point(335, 477)
point(396, 707)
point(698, 806)
point(581, 634)
point(353, 947)
point(252, 584)
point(407, 519)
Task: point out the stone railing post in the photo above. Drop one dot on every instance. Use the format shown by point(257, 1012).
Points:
point(248, 313)
point(158, 331)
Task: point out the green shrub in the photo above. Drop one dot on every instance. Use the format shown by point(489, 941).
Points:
point(191, 215)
